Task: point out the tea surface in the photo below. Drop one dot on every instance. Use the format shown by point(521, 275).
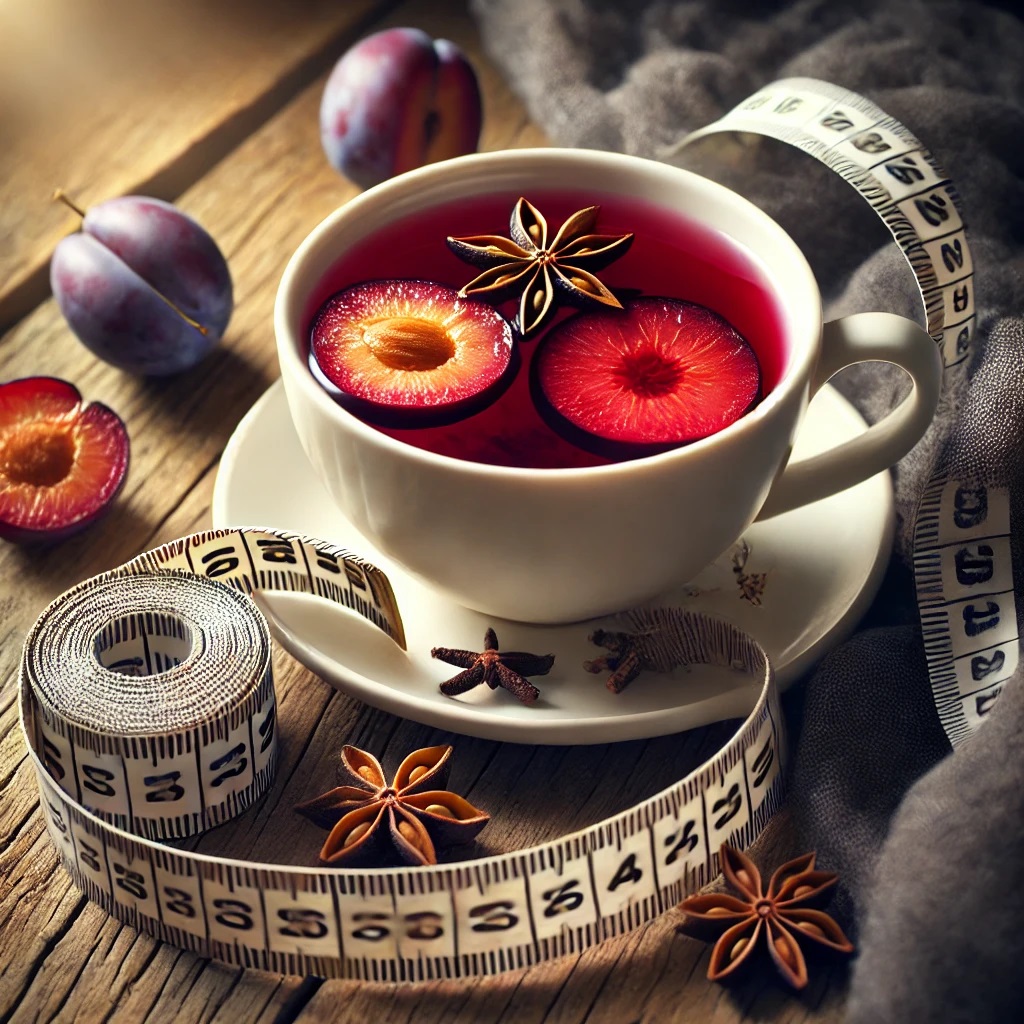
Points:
point(671, 256)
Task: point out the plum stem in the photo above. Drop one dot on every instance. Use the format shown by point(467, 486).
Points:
point(60, 195)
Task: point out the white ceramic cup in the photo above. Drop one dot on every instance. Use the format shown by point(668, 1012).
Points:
point(560, 545)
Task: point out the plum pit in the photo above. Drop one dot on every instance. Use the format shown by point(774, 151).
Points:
point(41, 455)
point(409, 343)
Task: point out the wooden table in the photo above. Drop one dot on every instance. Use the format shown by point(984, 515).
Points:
point(215, 108)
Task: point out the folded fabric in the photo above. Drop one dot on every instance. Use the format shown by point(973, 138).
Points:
point(930, 843)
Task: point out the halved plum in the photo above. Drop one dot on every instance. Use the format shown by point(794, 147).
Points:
point(404, 352)
point(655, 375)
point(61, 462)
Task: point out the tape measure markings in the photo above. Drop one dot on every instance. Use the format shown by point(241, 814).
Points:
point(112, 768)
point(173, 753)
point(219, 554)
point(962, 560)
point(849, 134)
point(446, 921)
point(963, 565)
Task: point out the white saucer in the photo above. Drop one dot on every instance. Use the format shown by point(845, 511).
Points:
point(824, 564)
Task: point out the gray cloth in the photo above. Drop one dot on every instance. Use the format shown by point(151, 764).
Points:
point(930, 844)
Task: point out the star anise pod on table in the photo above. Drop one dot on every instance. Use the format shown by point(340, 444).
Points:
point(495, 668)
point(783, 919)
point(373, 823)
point(528, 263)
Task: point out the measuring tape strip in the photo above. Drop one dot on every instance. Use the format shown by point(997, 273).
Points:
point(962, 561)
point(963, 566)
point(893, 172)
point(476, 917)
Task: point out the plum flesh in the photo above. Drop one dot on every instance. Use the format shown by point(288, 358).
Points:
point(656, 374)
point(395, 101)
point(61, 462)
point(143, 286)
point(402, 351)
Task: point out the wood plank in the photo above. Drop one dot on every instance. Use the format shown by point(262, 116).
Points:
point(118, 97)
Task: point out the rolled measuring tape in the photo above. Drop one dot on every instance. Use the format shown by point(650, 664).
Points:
point(962, 560)
point(489, 915)
point(147, 691)
point(154, 700)
point(198, 757)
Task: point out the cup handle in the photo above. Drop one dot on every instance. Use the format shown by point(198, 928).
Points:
point(859, 338)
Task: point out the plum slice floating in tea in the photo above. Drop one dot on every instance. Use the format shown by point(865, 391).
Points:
point(658, 373)
point(411, 350)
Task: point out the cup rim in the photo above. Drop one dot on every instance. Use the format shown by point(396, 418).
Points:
point(290, 303)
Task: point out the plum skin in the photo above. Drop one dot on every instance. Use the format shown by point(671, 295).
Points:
point(108, 281)
point(64, 419)
point(395, 101)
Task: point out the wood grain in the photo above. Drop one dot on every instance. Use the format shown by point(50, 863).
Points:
point(63, 959)
point(113, 97)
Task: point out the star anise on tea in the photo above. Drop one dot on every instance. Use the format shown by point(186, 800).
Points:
point(373, 823)
point(539, 269)
point(784, 920)
point(508, 669)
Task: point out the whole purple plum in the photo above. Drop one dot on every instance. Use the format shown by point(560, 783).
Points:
point(143, 286)
point(397, 100)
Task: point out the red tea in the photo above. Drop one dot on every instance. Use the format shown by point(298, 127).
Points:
point(670, 256)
